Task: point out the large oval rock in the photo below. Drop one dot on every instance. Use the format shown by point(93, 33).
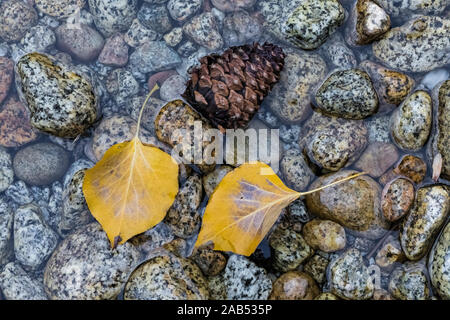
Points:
point(419, 45)
point(17, 284)
point(111, 16)
point(355, 204)
point(16, 17)
point(429, 211)
point(84, 267)
point(348, 94)
point(41, 163)
point(324, 235)
point(439, 264)
point(411, 122)
point(167, 277)
point(62, 102)
point(294, 285)
point(204, 30)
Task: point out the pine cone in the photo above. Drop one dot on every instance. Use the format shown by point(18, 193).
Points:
point(228, 89)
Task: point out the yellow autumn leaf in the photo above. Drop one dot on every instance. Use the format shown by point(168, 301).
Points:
point(244, 206)
point(131, 188)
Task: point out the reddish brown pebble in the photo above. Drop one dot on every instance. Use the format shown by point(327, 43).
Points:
point(397, 198)
point(6, 76)
point(411, 167)
point(294, 285)
point(115, 52)
point(15, 127)
point(377, 158)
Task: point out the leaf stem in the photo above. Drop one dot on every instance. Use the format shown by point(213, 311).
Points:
point(155, 88)
point(332, 184)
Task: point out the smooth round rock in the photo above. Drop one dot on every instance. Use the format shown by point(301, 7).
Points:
point(411, 121)
point(115, 52)
point(204, 30)
point(419, 45)
point(397, 198)
point(41, 163)
point(350, 278)
point(316, 267)
point(155, 17)
point(295, 170)
point(39, 38)
point(240, 27)
point(232, 5)
point(17, 284)
point(324, 235)
point(167, 277)
point(338, 53)
point(294, 285)
point(428, 214)
point(409, 282)
point(66, 112)
point(354, 204)
point(172, 88)
point(16, 17)
point(111, 16)
point(411, 167)
point(377, 158)
point(138, 34)
point(348, 94)
point(61, 8)
point(209, 261)
point(312, 22)
point(439, 264)
point(84, 267)
point(181, 10)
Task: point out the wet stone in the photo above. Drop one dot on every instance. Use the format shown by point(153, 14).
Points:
point(289, 249)
point(203, 29)
point(338, 53)
point(174, 37)
point(183, 217)
point(411, 122)
point(232, 5)
point(411, 167)
point(39, 38)
point(368, 21)
point(62, 114)
point(34, 241)
point(16, 17)
point(84, 267)
point(19, 193)
point(209, 261)
point(138, 34)
point(428, 214)
point(181, 10)
point(348, 94)
point(172, 88)
point(294, 285)
point(6, 170)
point(155, 17)
point(41, 163)
point(326, 296)
point(316, 267)
point(397, 199)
point(378, 129)
point(419, 45)
point(312, 22)
point(212, 179)
point(167, 277)
point(295, 170)
point(6, 76)
point(115, 52)
point(409, 282)
point(244, 280)
point(390, 254)
point(400, 8)
point(438, 265)
point(121, 84)
point(59, 9)
point(113, 16)
point(324, 235)
point(377, 158)
point(6, 225)
point(354, 204)
point(154, 56)
point(290, 99)
point(350, 278)
point(240, 28)
point(17, 284)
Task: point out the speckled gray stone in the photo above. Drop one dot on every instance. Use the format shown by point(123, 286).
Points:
point(212, 179)
point(296, 172)
point(19, 193)
point(428, 214)
point(121, 84)
point(172, 88)
point(111, 16)
point(183, 217)
point(338, 53)
point(409, 282)
point(72, 106)
point(244, 280)
point(61, 8)
point(378, 129)
point(17, 284)
point(240, 28)
point(419, 45)
point(404, 8)
point(290, 99)
point(349, 277)
point(204, 30)
point(138, 34)
point(16, 17)
point(84, 267)
point(298, 212)
point(41, 163)
point(174, 37)
point(348, 94)
point(39, 38)
point(167, 277)
point(154, 56)
point(310, 24)
point(34, 241)
point(411, 122)
point(181, 10)
point(6, 170)
point(155, 17)
point(439, 264)
point(289, 249)
point(6, 224)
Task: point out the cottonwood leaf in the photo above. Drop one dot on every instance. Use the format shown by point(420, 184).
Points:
point(131, 188)
point(245, 205)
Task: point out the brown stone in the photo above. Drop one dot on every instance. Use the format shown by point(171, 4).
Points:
point(115, 52)
point(209, 261)
point(294, 285)
point(397, 198)
point(324, 235)
point(377, 158)
point(411, 167)
point(6, 77)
